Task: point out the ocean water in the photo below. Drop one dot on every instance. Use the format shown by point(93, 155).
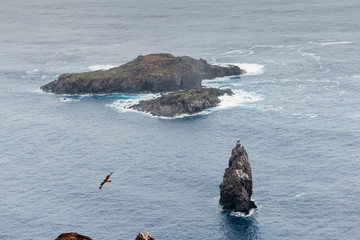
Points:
point(296, 111)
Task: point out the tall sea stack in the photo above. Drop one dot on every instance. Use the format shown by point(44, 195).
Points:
point(236, 187)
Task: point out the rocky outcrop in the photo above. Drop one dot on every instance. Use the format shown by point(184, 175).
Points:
point(144, 236)
point(236, 187)
point(76, 236)
point(72, 236)
point(183, 102)
point(150, 73)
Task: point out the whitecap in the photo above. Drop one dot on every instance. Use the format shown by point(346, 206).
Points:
point(100, 67)
point(356, 115)
point(300, 115)
point(298, 195)
point(32, 71)
point(240, 52)
point(334, 43)
point(355, 76)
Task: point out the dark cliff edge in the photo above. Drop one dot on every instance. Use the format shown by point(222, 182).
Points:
point(184, 102)
point(151, 73)
point(236, 187)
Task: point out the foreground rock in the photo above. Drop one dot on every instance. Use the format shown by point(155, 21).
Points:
point(76, 236)
point(150, 73)
point(72, 236)
point(144, 236)
point(184, 102)
point(236, 187)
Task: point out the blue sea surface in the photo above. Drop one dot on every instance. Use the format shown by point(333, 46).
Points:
point(296, 111)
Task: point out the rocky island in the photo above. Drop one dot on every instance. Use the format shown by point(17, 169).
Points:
point(151, 73)
point(236, 187)
point(184, 102)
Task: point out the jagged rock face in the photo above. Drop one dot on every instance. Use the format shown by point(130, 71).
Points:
point(72, 236)
point(144, 236)
point(150, 73)
point(184, 102)
point(236, 187)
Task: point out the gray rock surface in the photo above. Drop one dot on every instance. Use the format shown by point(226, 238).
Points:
point(184, 102)
point(151, 73)
point(236, 187)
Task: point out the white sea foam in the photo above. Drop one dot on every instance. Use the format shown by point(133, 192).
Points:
point(356, 115)
point(250, 68)
point(123, 105)
point(355, 76)
point(237, 99)
point(298, 195)
point(33, 71)
point(300, 115)
point(312, 55)
point(240, 52)
point(66, 99)
point(100, 67)
point(241, 214)
point(334, 43)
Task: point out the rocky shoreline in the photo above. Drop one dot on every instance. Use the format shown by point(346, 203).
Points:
point(183, 102)
point(151, 73)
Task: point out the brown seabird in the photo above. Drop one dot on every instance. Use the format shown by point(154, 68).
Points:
point(105, 180)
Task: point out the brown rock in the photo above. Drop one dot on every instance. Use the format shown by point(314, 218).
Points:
point(144, 236)
point(72, 236)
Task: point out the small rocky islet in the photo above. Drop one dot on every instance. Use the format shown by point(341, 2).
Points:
point(237, 185)
point(184, 102)
point(155, 73)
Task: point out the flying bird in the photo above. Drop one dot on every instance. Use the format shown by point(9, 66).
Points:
point(105, 180)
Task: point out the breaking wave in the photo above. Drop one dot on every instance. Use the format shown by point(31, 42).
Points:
point(237, 99)
point(251, 69)
point(241, 214)
point(100, 67)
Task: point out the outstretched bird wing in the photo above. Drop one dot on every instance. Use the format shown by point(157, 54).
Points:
point(107, 177)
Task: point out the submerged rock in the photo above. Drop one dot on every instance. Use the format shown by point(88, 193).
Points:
point(183, 102)
point(144, 236)
point(72, 236)
point(236, 187)
point(150, 73)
